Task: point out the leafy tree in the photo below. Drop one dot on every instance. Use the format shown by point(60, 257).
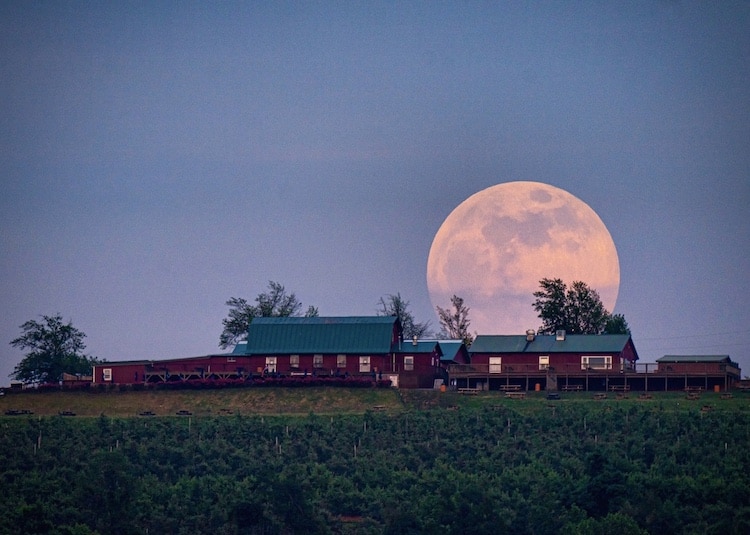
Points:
point(586, 313)
point(552, 305)
point(577, 309)
point(395, 305)
point(276, 302)
point(56, 347)
point(616, 324)
point(455, 322)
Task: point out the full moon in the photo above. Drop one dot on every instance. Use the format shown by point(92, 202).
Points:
point(496, 246)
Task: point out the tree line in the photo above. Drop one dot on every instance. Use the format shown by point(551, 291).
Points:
point(56, 347)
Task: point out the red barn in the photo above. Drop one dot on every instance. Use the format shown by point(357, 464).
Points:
point(353, 346)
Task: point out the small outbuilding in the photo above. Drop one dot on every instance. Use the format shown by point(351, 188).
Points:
point(697, 364)
point(700, 371)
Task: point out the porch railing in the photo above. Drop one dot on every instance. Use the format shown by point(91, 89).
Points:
point(573, 368)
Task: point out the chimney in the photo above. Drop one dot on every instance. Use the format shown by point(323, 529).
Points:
point(560, 335)
point(414, 340)
point(530, 335)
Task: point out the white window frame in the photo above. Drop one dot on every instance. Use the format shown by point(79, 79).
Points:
point(107, 374)
point(318, 360)
point(341, 361)
point(408, 363)
point(544, 362)
point(496, 365)
point(271, 364)
point(364, 364)
point(294, 361)
point(606, 363)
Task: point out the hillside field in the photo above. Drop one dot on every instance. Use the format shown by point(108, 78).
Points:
point(373, 461)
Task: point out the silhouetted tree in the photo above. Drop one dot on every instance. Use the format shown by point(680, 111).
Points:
point(616, 324)
point(577, 309)
point(276, 302)
point(455, 322)
point(395, 305)
point(56, 347)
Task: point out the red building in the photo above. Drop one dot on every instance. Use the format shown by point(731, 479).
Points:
point(418, 364)
point(353, 346)
point(546, 361)
point(698, 371)
point(693, 364)
point(325, 346)
point(227, 366)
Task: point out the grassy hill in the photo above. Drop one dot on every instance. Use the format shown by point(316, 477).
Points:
point(321, 400)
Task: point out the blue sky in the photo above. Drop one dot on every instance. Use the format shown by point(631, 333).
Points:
point(158, 158)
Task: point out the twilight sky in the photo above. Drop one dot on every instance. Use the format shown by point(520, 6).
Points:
point(158, 158)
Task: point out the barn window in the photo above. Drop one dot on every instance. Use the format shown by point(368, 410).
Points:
point(409, 364)
point(603, 362)
point(271, 364)
point(543, 362)
point(294, 361)
point(496, 364)
point(341, 361)
point(317, 361)
point(107, 374)
point(364, 364)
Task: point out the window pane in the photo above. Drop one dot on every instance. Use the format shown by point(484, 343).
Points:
point(596, 363)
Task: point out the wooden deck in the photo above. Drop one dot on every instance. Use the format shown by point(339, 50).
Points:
point(574, 379)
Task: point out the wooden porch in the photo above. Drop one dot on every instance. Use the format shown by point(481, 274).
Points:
point(164, 375)
point(571, 378)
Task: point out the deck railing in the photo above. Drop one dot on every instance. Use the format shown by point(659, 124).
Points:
point(577, 369)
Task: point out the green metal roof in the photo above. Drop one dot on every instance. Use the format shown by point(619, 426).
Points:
point(422, 346)
point(694, 358)
point(450, 349)
point(573, 343)
point(292, 335)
